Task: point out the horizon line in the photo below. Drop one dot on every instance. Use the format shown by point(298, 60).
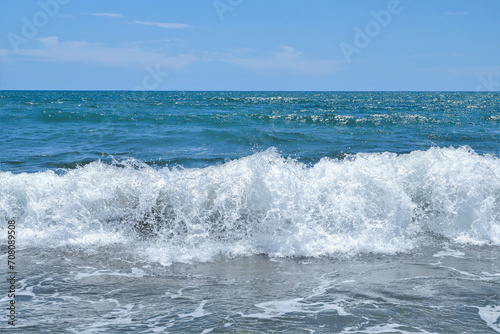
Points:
point(221, 91)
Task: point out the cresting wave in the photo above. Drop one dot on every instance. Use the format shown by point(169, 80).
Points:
point(261, 204)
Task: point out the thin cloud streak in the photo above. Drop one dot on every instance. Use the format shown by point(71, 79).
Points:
point(114, 15)
point(435, 55)
point(456, 13)
point(165, 25)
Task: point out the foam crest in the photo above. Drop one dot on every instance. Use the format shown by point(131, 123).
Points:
point(261, 204)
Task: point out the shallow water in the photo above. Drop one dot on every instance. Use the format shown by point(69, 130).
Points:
point(441, 289)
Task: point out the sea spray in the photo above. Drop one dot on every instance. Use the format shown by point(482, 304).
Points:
point(262, 204)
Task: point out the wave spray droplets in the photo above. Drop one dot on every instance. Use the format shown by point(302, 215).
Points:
point(262, 204)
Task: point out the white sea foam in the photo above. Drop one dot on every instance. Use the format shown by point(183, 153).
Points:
point(279, 308)
point(135, 273)
point(261, 204)
point(199, 312)
point(386, 328)
point(449, 252)
point(491, 315)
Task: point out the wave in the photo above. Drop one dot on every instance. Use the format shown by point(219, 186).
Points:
point(261, 204)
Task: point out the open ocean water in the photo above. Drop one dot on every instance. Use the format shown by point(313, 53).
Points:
point(251, 212)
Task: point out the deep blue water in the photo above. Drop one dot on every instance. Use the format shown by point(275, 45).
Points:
point(261, 212)
point(49, 130)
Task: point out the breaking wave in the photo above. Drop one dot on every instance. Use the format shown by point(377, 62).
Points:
point(261, 204)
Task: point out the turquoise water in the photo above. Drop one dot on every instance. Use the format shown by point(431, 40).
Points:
point(261, 212)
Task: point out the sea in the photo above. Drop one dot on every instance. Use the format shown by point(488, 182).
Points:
point(249, 212)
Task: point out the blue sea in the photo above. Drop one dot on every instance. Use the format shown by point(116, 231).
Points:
point(251, 212)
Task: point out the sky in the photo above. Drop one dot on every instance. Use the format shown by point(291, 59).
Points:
point(256, 45)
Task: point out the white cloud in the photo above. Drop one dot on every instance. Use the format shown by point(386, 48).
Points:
point(165, 25)
point(456, 13)
point(85, 52)
point(436, 55)
point(81, 52)
point(286, 59)
point(107, 14)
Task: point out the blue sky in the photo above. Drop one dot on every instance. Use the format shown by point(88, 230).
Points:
point(334, 45)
